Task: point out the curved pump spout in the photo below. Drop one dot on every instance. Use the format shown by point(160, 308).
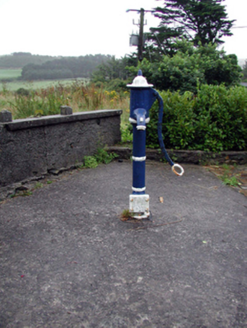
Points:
point(140, 115)
point(161, 142)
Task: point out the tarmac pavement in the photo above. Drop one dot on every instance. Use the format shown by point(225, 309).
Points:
point(67, 260)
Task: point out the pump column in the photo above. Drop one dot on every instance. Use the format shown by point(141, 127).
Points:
point(139, 158)
point(138, 200)
point(141, 99)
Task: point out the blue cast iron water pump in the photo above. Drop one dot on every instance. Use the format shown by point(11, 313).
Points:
point(142, 97)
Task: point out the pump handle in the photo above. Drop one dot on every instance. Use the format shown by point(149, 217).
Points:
point(180, 168)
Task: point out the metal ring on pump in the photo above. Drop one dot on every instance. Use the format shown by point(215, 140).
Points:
point(180, 168)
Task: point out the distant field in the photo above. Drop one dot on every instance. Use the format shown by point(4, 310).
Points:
point(15, 85)
point(10, 73)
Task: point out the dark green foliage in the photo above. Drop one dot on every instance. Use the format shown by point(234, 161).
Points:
point(22, 92)
point(190, 66)
point(213, 120)
point(222, 69)
point(201, 21)
point(162, 41)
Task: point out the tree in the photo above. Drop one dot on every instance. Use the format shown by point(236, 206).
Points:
point(113, 68)
point(201, 21)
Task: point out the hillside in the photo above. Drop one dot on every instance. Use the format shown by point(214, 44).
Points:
point(20, 59)
point(64, 67)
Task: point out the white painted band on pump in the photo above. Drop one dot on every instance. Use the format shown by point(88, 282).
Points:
point(132, 120)
point(139, 159)
point(138, 189)
point(144, 216)
point(141, 127)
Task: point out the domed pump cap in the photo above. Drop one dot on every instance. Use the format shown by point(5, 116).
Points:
point(140, 82)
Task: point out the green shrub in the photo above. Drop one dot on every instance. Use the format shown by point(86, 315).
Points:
point(213, 120)
point(221, 118)
point(184, 70)
point(22, 92)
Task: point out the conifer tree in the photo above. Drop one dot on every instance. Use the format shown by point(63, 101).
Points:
point(200, 21)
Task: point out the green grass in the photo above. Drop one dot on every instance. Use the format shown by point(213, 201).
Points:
point(10, 73)
point(34, 85)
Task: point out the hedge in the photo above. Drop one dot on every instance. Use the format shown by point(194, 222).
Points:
point(215, 119)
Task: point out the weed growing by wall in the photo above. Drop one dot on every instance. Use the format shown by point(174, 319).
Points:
point(102, 156)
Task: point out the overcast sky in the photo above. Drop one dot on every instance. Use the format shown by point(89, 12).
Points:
point(80, 27)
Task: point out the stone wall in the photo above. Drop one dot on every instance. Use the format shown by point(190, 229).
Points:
point(34, 146)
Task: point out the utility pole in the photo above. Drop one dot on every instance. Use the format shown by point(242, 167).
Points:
point(141, 41)
point(141, 35)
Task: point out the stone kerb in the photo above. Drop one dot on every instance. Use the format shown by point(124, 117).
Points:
point(32, 147)
point(188, 156)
